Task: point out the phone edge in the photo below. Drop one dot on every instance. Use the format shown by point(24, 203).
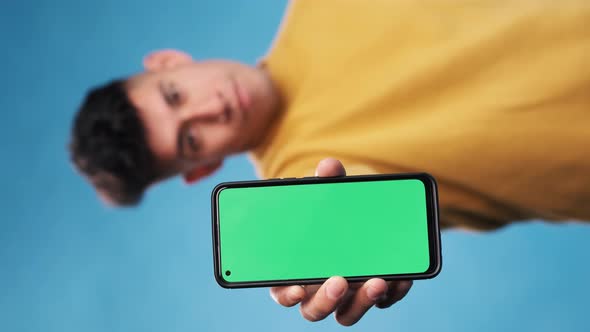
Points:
point(436, 269)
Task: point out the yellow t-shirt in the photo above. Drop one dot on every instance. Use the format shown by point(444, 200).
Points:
point(490, 97)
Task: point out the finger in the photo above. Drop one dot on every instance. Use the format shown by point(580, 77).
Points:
point(397, 291)
point(325, 300)
point(365, 297)
point(310, 290)
point(287, 296)
point(330, 167)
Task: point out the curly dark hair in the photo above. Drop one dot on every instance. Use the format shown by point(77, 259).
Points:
point(109, 145)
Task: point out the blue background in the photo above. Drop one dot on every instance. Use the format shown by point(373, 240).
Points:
point(69, 264)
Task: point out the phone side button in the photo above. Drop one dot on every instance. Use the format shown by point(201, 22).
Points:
point(288, 178)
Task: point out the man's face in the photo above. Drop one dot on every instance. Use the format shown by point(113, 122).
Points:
point(196, 113)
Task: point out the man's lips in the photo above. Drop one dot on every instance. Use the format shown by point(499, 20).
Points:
point(243, 96)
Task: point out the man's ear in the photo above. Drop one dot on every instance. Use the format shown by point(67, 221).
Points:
point(201, 172)
point(165, 59)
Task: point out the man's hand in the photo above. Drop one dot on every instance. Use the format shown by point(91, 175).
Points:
point(349, 302)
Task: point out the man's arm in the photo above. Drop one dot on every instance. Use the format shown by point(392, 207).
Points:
point(349, 302)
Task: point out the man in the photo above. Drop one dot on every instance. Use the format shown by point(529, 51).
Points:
point(493, 99)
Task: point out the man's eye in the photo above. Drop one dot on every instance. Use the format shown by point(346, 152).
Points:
point(192, 142)
point(173, 97)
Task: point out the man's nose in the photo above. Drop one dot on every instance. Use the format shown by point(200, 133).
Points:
point(210, 110)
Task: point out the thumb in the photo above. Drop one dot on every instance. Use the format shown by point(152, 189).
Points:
point(330, 167)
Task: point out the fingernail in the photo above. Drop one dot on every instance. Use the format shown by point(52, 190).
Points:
point(335, 290)
point(374, 294)
point(274, 297)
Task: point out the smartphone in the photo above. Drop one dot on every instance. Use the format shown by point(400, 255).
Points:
point(305, 230)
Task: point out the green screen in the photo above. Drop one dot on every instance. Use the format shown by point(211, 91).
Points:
point(306, 231)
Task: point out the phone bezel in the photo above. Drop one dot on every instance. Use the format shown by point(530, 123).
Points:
point(432, 221)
